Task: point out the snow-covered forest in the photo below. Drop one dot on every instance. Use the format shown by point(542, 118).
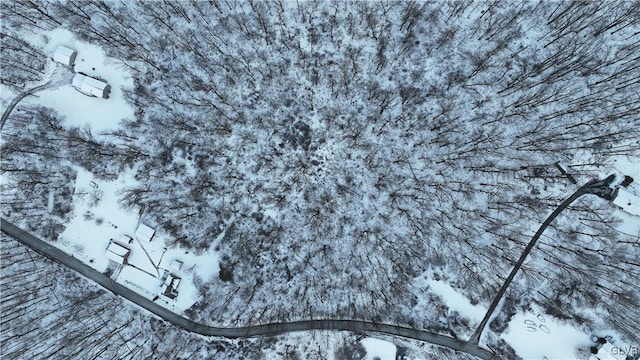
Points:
point(54, 314)
point(344, 152)
point(51, 313)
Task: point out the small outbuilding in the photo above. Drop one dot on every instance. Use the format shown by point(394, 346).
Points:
point(117, 252)
point(126, 239)
point(176, 265)
point(90, 86)
point(627, 201)
point(145, 233)
point(170, 286)
point(65, 55)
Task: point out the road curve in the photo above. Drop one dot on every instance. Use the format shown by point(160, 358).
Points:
point(19, 98)
point(106, 282)
point(600, 188)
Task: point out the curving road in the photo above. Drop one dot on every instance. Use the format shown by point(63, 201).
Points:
point(600, 188)
point(19, 98)
point(106, 282)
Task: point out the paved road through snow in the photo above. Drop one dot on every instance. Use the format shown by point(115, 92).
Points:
point(19, 98)
point(600, 188)
point(106, 282)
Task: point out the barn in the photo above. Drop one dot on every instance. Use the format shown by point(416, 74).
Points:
point(90, 86)
point(65, 55)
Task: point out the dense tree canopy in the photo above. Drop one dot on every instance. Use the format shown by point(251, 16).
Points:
point(344, 149)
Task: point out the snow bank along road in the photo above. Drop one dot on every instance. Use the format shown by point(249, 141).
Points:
point(106, 282)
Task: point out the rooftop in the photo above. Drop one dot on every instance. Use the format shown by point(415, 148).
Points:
point(117, 252)
point(144, 233)
point(64, 55)
point(140, 281)
point(89, 86)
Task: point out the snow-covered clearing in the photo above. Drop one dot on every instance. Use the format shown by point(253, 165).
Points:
point(99, 219)
point(80, 110)
point(628, 166)
point(379, 349)
point(456, 301)
point(535, 335)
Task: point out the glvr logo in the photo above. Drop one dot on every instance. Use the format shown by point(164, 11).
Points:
point(624, 350)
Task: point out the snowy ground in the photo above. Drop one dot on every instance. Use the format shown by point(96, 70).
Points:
point(80, 110)
point(630, 167)
point(535, 335)
point(99, 219)
point(528, 330)
point(379, 349)
point(456, 301)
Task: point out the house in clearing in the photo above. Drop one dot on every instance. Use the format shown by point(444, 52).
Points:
point(117, 252)
point(145, 233)
point(65, 55)
point(90, 86)
point(627, 201)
